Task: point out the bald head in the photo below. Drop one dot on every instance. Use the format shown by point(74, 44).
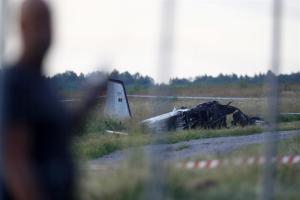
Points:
point(36, 29)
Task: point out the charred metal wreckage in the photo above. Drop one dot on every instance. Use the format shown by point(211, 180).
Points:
point(209, 115)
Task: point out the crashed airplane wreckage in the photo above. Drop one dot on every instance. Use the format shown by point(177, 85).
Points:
point(209, 115)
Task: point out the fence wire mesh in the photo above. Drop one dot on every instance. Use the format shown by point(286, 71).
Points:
point(155, 188)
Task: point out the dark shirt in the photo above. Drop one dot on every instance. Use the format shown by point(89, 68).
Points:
point(30, 100)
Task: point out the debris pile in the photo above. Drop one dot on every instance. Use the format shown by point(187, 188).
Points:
point(209, 115)
point(212, 115)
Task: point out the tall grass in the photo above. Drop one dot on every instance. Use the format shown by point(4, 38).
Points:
point(95, 144)
point(129, 180)
point(221, 90)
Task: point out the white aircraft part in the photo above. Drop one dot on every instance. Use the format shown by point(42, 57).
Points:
point(116, 132)
point(116, 105)
point(161, 123)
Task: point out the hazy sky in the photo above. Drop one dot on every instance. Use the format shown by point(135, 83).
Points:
point(211, 36)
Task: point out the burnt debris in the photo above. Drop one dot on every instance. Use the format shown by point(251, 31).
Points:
point(209, 115)
point(213, 115)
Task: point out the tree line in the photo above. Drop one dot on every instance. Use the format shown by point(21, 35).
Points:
point(70, 81)
point(257, 79)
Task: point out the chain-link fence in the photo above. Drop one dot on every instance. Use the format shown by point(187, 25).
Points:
point(156, 186)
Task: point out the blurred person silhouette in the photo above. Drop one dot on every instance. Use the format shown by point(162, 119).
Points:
point(37, 127)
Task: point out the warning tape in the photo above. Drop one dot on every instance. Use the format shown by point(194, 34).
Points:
point(288, 160)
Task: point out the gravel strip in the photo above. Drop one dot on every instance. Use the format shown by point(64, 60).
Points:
point(187, 149)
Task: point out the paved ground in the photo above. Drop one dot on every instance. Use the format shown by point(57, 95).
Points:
point(183, 150)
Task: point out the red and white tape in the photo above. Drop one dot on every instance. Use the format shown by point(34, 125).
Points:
point(211, 164)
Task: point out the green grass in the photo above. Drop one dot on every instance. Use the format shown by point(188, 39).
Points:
point(237, 183)
point(242, 183)
point(234, 90)
point(201, 134)
point(289, 118)
point(130, 179)
point(290, 146)
point(96, 123)
point(94, 145)
point(127, 183)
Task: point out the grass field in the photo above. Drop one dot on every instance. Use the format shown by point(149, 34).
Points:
point(133, 177)
point(95, 142)
point(226, 90)
point(94, 145)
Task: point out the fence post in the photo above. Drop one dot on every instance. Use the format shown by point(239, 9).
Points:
point(269, 170)
point(157, 183)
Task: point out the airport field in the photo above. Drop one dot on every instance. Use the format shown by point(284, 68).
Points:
point(131, 178)
point(223, 90)
point(94, 142)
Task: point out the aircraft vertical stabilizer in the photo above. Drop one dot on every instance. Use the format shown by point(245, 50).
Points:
point(116, 105)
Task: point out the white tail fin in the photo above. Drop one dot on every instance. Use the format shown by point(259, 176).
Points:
point(116, 105)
